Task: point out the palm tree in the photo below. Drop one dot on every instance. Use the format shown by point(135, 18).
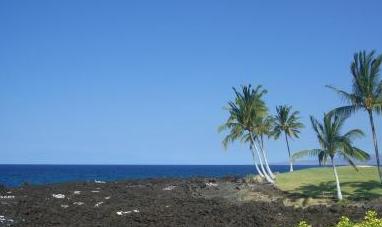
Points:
point(367, 92)
point(243, 112)
point(287, 122)
point(333, 143)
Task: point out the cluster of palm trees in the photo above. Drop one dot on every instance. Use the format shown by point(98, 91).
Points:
point(366, 93)
point(249, 121)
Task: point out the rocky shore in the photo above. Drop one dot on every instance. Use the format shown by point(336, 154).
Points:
point(167, 202)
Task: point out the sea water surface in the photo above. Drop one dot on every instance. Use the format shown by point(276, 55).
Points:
point(15, 175)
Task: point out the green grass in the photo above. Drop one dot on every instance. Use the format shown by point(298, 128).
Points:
point(320, 182)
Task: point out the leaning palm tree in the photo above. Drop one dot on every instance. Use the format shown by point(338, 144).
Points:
point(333, 143)
point(367, 92)
point(287, 123)
point(243, 112)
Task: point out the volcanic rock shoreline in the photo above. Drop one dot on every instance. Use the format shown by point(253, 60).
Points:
point(226, 201)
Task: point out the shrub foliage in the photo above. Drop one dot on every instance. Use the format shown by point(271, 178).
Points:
point(370, 220)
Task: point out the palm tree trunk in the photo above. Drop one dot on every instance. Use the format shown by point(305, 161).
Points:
point(267, 177)
point(255, 162)
point(290, 159)
point(339, 194)
point(266, 161)
point(375, 144)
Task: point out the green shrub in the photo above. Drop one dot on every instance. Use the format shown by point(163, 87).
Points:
point(303, 224)
point(345, 222)
point(370, 220)
point(253, 179)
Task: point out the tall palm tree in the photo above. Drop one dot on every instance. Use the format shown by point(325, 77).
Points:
point(333, 143)
point(367, 92)
point(287, 122)
point(243, 112)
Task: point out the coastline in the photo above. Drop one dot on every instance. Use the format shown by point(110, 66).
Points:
point(228, 201)
point(16, 175)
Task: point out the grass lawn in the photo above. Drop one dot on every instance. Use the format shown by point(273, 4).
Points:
point(320, 182)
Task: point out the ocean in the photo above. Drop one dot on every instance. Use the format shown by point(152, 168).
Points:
point(15, 175)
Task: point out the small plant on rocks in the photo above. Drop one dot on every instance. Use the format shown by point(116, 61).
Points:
point(370, 220)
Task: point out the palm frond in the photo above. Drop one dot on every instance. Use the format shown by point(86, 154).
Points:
point(349, 160)
point(359, 154)
point(346, 97)
point(345, 111)
point(306, 153)
point(354, 134)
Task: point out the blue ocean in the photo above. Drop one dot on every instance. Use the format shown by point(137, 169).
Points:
point(15, 175)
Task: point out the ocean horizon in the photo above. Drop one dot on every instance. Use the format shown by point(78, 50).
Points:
point(14, 175)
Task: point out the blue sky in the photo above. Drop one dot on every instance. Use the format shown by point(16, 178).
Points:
point(145, 82)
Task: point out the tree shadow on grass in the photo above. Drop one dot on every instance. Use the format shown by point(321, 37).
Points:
point(361, 190)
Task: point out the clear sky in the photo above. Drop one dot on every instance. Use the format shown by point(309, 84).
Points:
point(145, 82)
